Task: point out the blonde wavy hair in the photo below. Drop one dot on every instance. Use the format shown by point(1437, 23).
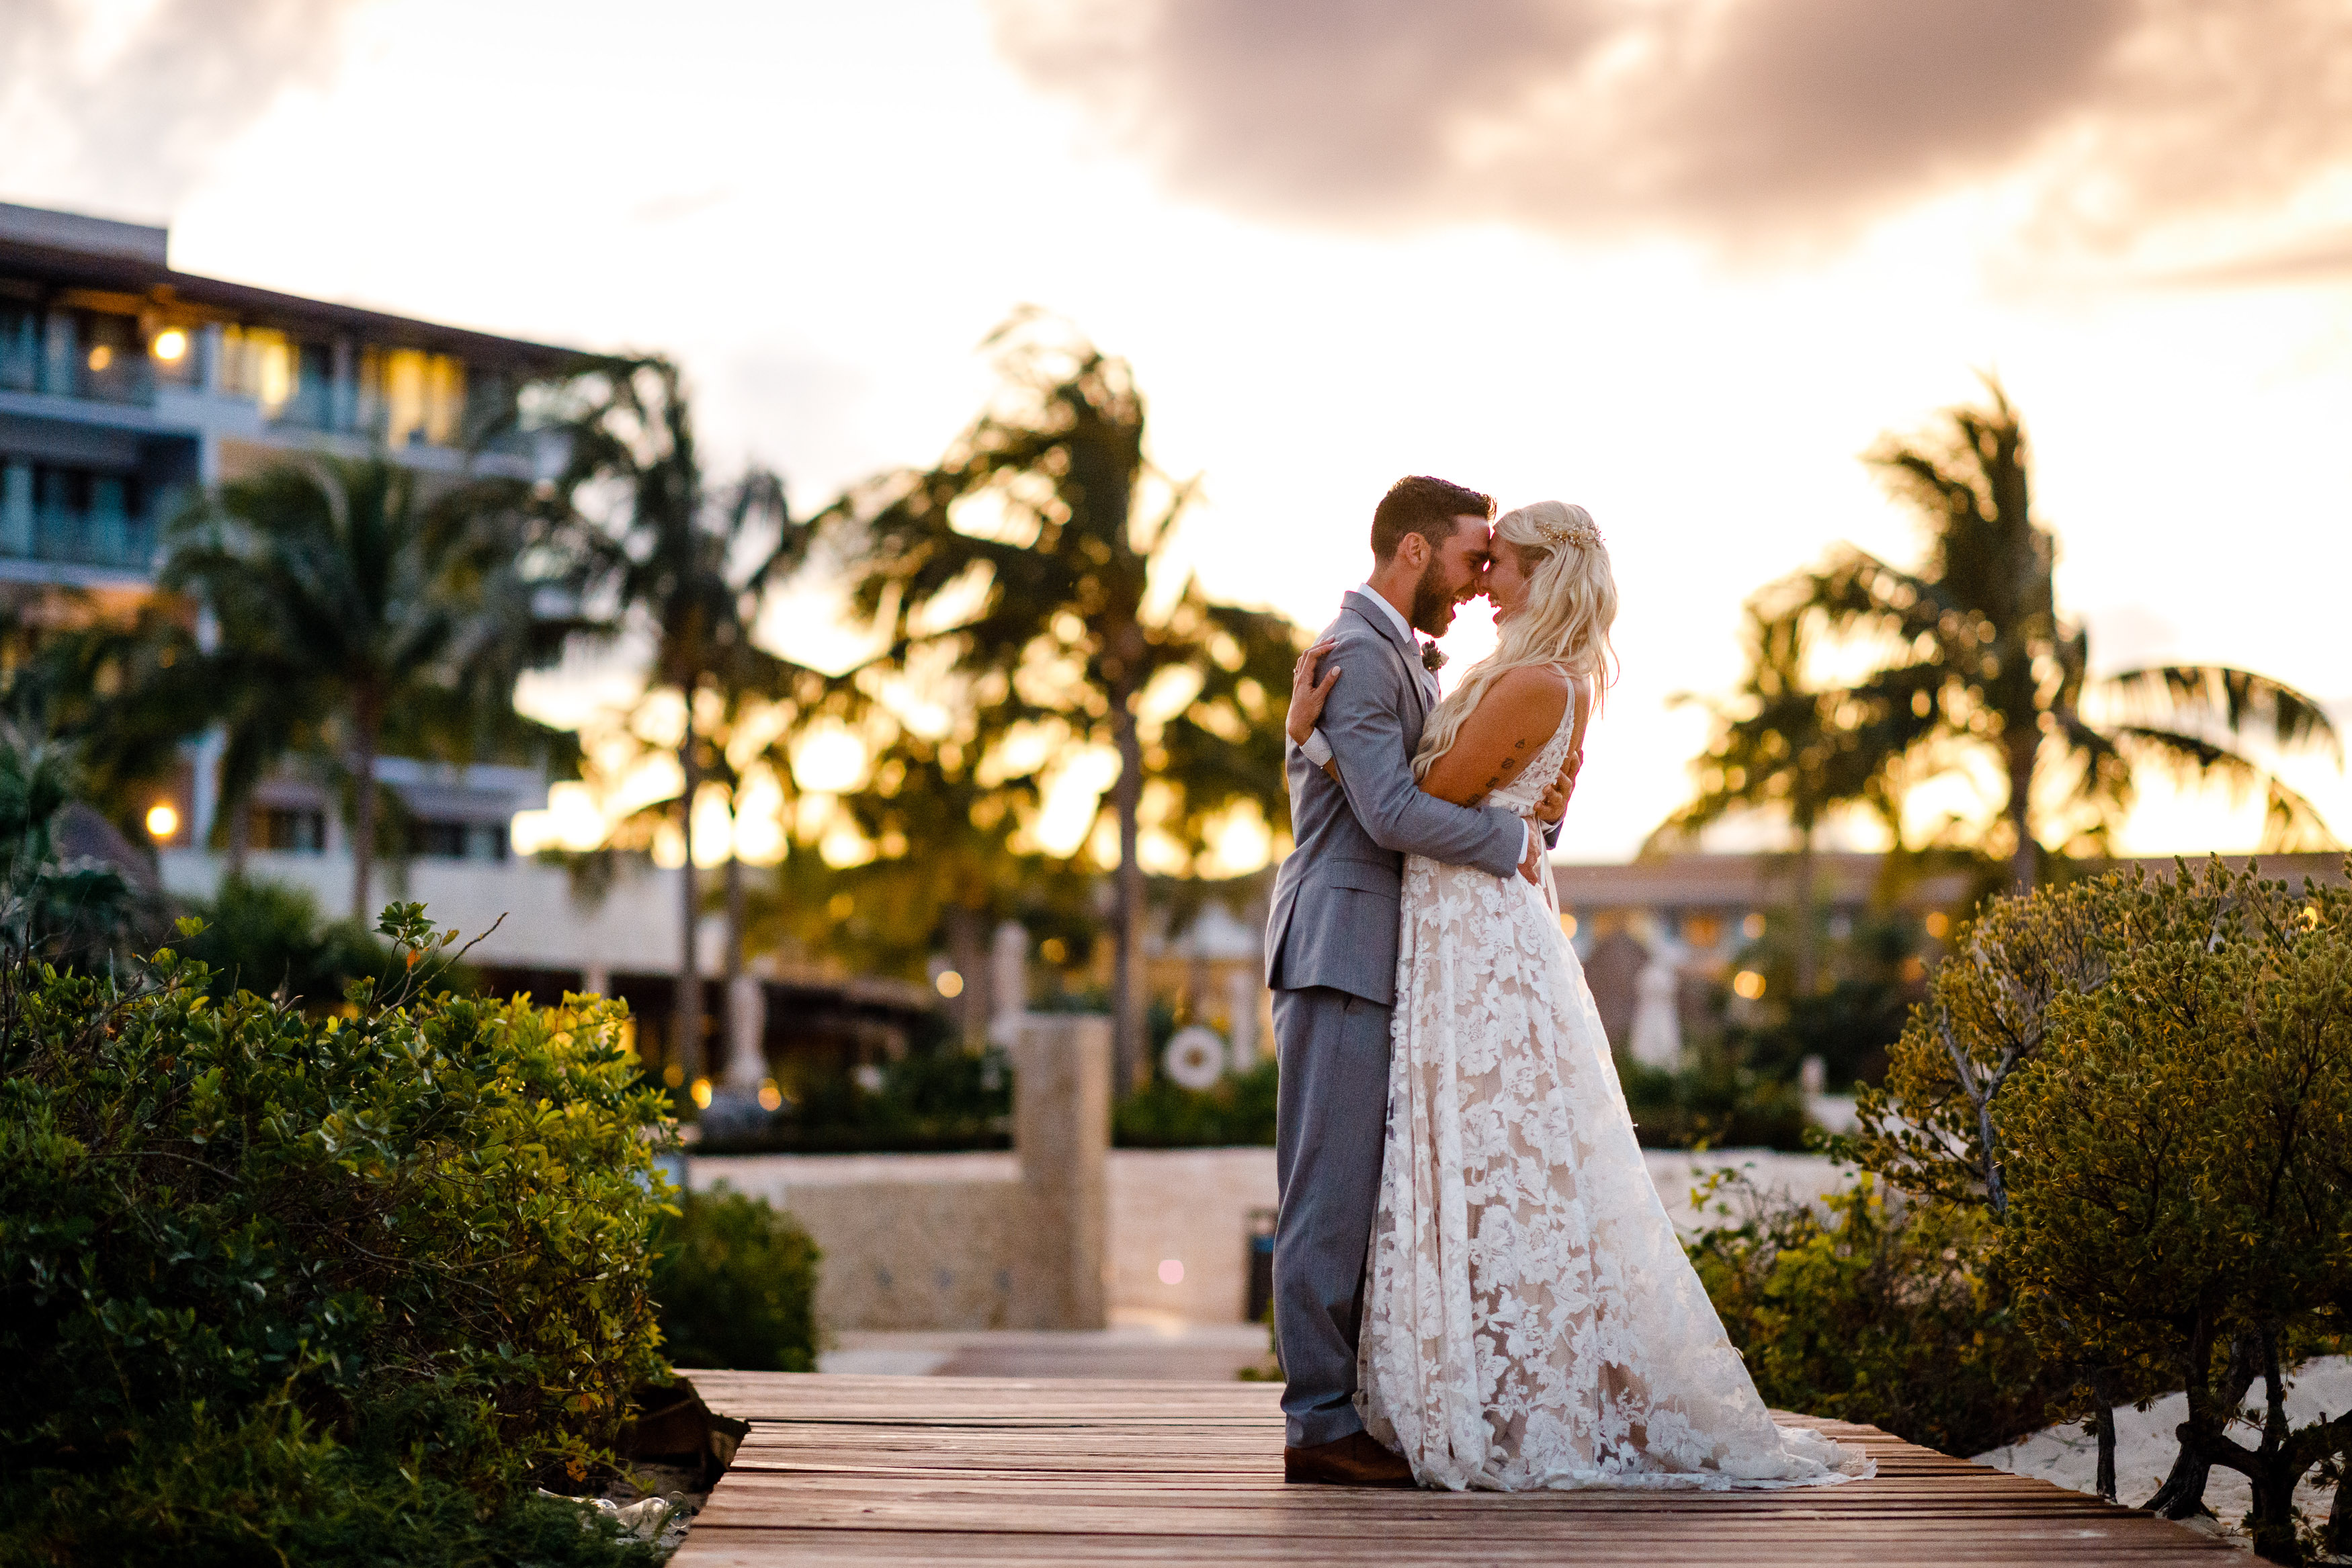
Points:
point(1571, 604)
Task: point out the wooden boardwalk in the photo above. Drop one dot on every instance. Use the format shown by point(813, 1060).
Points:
point(912, 1471)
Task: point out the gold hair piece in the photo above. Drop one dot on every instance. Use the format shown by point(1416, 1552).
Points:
point(1575, 528)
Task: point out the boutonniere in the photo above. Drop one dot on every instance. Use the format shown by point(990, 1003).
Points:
point(1432, 657)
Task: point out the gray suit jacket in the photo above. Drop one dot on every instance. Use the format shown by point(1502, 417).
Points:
point(1335, 899)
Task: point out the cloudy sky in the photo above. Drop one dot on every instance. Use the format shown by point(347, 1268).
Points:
point(1680, 260)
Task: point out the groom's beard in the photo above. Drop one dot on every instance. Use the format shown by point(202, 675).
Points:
point(1433, 602)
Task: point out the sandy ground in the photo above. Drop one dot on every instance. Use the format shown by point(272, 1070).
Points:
point(2145, 1444)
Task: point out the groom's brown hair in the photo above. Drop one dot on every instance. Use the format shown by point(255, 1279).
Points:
point(1419, 504)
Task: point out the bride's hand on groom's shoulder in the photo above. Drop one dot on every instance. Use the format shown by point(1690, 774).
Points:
point(1307, 692)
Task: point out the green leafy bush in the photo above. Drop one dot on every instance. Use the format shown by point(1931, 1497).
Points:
point(270, 940)
point(736, 1281)
point(1871, 1309)
point(1715, 1101)
point(1238, 1111)
point(2178, 1158)
point(247, 1256)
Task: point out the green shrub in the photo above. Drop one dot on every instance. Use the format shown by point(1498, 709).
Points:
point(2178, 1158)
point(270, 940)
point(1871, 1309)
point(242, 1243)
point(1717, 1102)
point(1237, 1111)
point(936, 1096)
point(736, 1281)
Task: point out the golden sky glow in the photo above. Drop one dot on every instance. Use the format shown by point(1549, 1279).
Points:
point(1688, 307)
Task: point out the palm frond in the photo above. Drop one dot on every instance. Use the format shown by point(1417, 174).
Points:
point(2238, 702)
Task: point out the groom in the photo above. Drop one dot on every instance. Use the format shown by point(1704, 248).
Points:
point(1331, 950)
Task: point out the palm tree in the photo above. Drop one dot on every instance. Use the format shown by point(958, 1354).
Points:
point(1047, 623)
point(1779, 743)
point(1977, 656)
point(690, 570)
point(361, 610)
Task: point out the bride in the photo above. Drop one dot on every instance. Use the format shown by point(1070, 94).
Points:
point(1529, 1318)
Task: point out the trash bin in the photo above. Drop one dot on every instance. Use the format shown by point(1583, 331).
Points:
point(1261, 1265)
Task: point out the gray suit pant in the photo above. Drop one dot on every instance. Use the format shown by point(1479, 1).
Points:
point(1329, 1121)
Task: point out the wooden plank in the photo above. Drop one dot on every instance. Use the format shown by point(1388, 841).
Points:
point(882, 1470)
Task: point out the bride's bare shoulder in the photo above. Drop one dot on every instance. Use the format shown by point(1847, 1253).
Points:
point(1532, 692)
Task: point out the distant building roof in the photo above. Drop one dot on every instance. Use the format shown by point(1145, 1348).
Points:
point(1752, 880)
point(71, 250)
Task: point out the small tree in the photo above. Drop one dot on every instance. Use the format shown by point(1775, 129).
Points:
point(1055, 621)
point(687, 569)
point(1976, 661)
point(1783, 742)
point(364, 611)
point(2181, 1149)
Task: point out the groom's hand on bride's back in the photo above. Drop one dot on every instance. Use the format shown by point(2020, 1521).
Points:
point(1554, 804)
point(1307, 693)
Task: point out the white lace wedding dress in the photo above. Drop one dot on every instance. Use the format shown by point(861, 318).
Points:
point(1529, 1318)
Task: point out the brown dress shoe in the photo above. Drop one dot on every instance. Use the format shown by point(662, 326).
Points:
point(1357, 1460)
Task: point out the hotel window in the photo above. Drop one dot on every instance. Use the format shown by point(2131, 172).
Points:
point(289, 831)
point(91, 518)
point(112, 358)
point(20, 348)
point(258, 363)
point(433, 839)
point(411, 396)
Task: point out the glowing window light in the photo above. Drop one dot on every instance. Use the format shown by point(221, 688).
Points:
point(1747, 985)
point(1172, 1272)
point(171, 344)
point(100, 357)
point(162, 821)
point(949, 983)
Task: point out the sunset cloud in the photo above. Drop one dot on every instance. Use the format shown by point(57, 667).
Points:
point(134, 101)
point(1738, 121)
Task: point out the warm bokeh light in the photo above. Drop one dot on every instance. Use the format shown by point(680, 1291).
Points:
point(1566, 924)
point(702, 1094)
point(1752, 927)
point(162, 821)
point(1747, 985)
point(100, 357)
point(1938, 923)
point(171, 344)
point(770, 1097)
point(949, 983)
point(1172, 1272)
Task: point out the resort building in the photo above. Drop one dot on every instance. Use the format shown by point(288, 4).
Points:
point(122, 382)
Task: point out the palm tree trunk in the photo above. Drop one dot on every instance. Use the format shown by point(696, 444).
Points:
point(240, 835)
point(967, 954)
point(686, 1014)
point(1807, 919)
point(734, 1023)
point(2025, 864)
point(365, 722)
point(1129, 1067)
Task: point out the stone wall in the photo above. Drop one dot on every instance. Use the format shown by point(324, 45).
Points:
point(941, 1241)
point(964, 1241)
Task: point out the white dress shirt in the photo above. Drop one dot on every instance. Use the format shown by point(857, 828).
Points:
point(1319, 749)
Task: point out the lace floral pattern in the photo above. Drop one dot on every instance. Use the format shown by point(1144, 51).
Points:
point(1529, 1318)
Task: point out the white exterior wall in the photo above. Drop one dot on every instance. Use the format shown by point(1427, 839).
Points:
point(635, 929)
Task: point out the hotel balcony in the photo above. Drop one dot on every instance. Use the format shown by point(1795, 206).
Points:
point(122, 383)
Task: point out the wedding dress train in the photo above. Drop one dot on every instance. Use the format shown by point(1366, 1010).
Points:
point(1530, 1319)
